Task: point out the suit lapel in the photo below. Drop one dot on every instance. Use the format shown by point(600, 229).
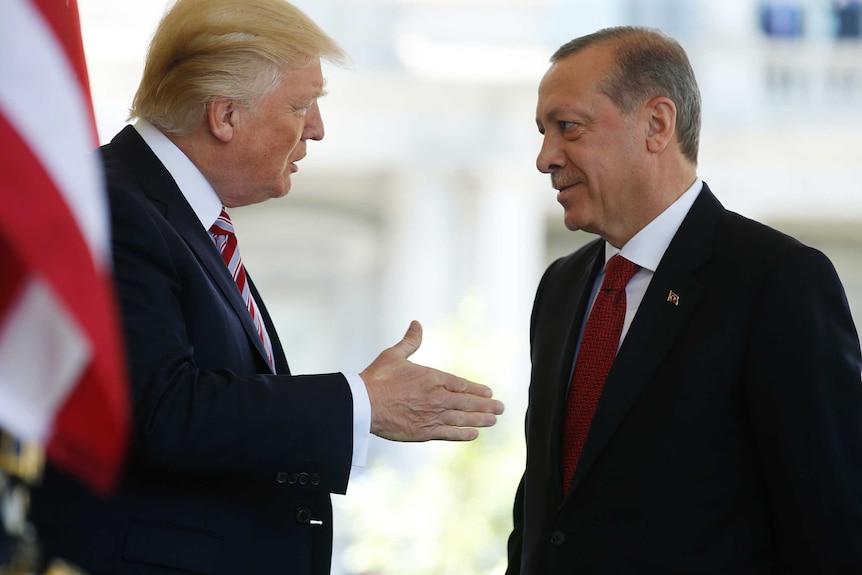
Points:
point(160, 187)
point(656, 326)
point(572, 314)
point(281, 365)
point(555, 335)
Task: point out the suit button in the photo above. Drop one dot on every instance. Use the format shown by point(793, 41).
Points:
point(557, 538)
point(281, 477)
point(302, 515)
point(293, 478)
point(315, 479)
point(303, 478)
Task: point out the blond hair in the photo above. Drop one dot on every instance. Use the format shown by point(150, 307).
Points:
point(232, 49)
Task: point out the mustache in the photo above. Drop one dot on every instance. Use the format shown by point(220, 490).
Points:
point(560, 180)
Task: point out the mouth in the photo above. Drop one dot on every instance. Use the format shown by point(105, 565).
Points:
point(562, 182)
point(563, 190)
point(293, 165)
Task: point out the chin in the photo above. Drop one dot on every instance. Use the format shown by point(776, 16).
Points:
point(281, 191)
point(572, 222)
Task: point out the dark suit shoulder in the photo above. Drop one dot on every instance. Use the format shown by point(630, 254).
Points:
point(751, 246)
point(133, 169)
point(118, 174)
point(756, 238)
point(576, 259)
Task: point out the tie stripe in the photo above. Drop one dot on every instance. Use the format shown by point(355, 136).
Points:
point(224, 237)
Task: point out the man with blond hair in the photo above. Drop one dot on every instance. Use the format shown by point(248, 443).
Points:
point(695, 401)
point(233, 459)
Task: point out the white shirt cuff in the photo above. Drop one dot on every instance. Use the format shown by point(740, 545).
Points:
point(361, 421)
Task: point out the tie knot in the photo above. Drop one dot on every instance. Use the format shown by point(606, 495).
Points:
point(618, 273)
point(222, 226)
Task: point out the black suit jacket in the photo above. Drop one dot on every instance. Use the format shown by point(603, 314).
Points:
point(728, 437)
point(231, 467)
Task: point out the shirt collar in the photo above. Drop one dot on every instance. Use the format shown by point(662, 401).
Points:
point(192, 183)
point(647, 247)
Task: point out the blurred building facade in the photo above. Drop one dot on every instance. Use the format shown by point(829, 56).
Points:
point(423, 202)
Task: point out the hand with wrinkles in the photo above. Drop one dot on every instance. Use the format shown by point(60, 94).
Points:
point(410, 402)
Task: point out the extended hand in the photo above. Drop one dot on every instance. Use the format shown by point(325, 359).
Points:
point(411, 402)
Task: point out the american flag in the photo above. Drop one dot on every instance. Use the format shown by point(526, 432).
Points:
point(62, 368)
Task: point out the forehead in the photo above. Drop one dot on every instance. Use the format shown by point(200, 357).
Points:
point(575, 79)
point(300, 83)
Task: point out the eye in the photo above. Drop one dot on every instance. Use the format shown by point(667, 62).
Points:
point(565, 126)
point(301, 108)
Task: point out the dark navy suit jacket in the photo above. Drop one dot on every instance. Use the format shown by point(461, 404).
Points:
point(728, 437)
point(230, 471)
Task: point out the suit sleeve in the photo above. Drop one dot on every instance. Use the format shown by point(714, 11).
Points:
point(224, 418)
point(805, 397)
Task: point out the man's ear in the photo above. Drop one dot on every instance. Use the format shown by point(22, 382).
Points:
point(222, 119)
point(661, 117)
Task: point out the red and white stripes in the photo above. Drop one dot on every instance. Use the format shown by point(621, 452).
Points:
point(223, 234)
point(62, 374)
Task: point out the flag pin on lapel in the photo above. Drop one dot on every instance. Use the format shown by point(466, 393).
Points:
point(673, 298)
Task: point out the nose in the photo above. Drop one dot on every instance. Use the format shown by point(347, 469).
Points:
point(313, 129)
point(551, 156)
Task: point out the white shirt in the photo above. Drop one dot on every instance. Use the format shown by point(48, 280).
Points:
point(207, 206)
point(645, 248)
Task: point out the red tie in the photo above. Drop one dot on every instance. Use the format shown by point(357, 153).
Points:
point(598, 349)
point(225, 239)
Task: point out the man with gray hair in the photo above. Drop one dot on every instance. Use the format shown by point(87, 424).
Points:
point(233, 459)
point(695, 400)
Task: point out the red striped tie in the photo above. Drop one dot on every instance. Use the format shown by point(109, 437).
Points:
point(225, 239)
point(598, 350)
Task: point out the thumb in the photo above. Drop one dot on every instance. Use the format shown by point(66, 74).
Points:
point(410, 342)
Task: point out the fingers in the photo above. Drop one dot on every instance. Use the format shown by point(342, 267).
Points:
point(409, 412)
point(455, 418)
point(456, 434)
point(467, 411)
point(410, 342)
point(473, 404)
point(460, 385)
point(461, 426)
point(473, 396)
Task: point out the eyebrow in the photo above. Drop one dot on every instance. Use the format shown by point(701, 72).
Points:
point(561, 110)
point(322, 92)
point(314, 97)
point(571, 113)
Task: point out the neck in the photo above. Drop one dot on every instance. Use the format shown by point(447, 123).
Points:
point(205, 153)
point(657, 194)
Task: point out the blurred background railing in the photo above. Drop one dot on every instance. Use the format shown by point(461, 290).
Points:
point(424, 202)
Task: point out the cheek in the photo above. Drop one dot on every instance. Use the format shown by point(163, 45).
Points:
point(286, 150)
point(292, 133)
point(270, 160)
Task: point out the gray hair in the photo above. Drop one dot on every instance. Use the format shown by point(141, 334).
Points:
point(648, 64)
